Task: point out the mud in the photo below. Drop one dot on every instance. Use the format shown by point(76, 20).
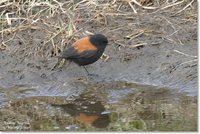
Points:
point(149, 81)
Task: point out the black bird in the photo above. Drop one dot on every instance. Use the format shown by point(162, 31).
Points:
point(86, 50)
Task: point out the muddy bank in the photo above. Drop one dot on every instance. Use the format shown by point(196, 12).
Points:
point(157, 65)
point(155, 55)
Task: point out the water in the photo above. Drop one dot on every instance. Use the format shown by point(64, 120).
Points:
point(105, 106)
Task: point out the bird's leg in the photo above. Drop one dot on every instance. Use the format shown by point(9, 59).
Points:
point(89, 73)
point(86, 70)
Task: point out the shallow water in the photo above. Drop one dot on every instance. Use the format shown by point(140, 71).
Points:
point(105, 106)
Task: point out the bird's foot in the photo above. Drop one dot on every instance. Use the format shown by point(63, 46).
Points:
point(92, 75)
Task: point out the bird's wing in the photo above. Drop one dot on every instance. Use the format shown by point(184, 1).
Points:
point(72, 52)
point(81, 48)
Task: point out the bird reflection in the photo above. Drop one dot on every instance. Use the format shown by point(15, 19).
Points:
point(87, 110)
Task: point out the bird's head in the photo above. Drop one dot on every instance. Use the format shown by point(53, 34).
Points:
point(99, 40)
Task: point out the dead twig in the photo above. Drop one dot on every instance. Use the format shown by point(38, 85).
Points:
point(134, 10)
point(105, 57)
point(185, 7)
point(137, 45)
point(173, 4)
point(135, 35)
point(195, 60)
point(185, 54)
point(145, 7)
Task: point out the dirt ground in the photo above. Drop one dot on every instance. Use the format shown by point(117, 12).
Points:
point(155, 47)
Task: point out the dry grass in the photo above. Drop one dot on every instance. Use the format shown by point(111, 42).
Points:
point(44, 28)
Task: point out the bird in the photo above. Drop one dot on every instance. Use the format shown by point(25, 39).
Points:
point(86, 50)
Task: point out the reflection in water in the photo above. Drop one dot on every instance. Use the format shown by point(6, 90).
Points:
point(87, 110)
point(148, 108)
